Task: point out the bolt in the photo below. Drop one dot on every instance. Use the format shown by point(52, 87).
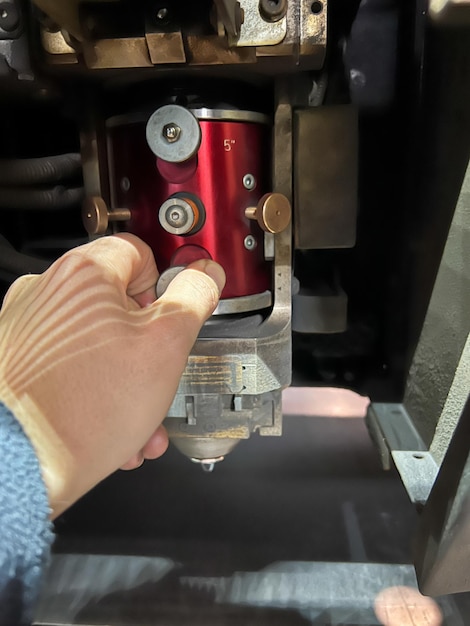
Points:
point(250, 242)
point(125, 184)
point(9, 17)
point(316, 8)
point(171, 132)
point(272, 10)
point(176, 217)
point(249, 181)
point(162, 14)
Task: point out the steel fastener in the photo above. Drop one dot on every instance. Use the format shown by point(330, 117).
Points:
point(9, 17)
point(250, 242)
point(171, 132)
point(177, 217)
point(249, 181)
point(273, 10)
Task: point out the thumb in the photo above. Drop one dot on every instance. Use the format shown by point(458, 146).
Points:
point(192, 296)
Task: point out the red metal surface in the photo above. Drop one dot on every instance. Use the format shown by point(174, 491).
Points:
point(228, 151)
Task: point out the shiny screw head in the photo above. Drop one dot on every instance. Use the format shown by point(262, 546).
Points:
point(250, 242)
point(125, 184)
point(176, 217)
point(162, 14)
point(249, 181)
point(171, 132)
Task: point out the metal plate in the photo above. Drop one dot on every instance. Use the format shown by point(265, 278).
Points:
point(325, 177)
point(443, 542)
point(255, 31)
point(230, 115)
point(396, 437)
point(166, 47)
point(244, 304)
point(319, 313)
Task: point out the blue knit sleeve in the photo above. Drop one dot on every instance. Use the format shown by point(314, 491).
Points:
point(25, 530)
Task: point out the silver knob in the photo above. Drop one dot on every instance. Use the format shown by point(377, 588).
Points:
point(173, 133)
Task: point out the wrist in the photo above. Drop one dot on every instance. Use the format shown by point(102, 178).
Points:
point(54, 459)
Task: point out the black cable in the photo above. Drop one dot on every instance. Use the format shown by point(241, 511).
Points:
point(39, 171)
point(17, 264)
point(52, 244)
point(57, 198)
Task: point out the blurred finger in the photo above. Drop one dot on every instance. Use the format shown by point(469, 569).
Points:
point(134, 462)
point(146, 298)
point(123, 258)
point(18, 286)
point(157, 445)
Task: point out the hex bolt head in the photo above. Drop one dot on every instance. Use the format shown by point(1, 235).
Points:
point(177, 217)
point(171, 132)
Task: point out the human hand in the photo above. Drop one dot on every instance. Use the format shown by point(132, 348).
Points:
point(90, 362)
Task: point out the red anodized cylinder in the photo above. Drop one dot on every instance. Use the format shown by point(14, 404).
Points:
point(229, 151)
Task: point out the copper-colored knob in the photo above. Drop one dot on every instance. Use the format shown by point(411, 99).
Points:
point(273, 212)
point(96, 216)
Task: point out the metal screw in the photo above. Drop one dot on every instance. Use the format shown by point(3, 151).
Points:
point(125, 184)
point(249, 181)
point(171, 132)
point(316, 8)
point(250, 242)
point(177, 217)
point(162, 14)
point(9, 17)
point(272, 10)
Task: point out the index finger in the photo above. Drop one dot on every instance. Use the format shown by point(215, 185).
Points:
point(125, 259)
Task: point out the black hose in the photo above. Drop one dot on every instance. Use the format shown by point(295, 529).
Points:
point(17, 264)
point(39, 171)
point(53, 199)
point(5, 243)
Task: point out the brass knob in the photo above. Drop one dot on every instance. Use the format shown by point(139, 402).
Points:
point(96, 216)
point(273, 212)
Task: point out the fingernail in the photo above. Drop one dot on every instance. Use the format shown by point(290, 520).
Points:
point(216, 272)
